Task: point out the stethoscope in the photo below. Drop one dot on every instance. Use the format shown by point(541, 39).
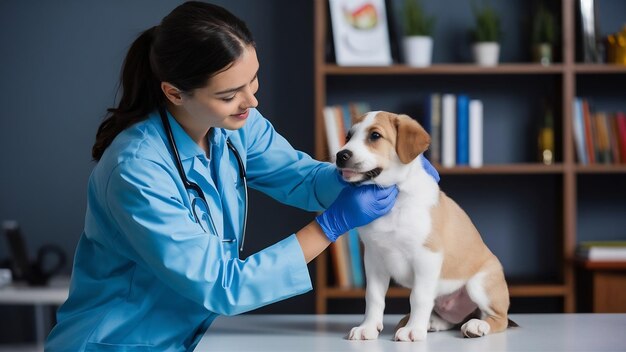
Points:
point(192, 186)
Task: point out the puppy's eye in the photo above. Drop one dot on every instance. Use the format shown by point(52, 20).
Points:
point(348, 136)
point(374, 136)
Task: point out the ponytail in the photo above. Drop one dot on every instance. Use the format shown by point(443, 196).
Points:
point(190, 45)
point(141, 94)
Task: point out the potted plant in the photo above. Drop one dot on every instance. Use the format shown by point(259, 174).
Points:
point(486, 35)
point(543, 35)
point(418, 28)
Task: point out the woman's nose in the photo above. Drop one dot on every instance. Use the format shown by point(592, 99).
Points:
point(250, 101)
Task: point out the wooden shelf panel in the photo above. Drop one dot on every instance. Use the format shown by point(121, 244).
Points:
point(601, 265)
point(530, 168)
point(526, 290)
point(600, 169)
point(600, 68)
point(444, 69)
point(538, 290)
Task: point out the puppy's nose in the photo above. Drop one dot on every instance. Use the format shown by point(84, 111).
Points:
point(342, 157)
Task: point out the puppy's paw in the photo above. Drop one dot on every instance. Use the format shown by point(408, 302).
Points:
point(365, 332)
point(475, 328)
point(438, 324)
point(410, 334)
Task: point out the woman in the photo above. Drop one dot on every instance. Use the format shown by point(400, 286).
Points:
point(158, 258)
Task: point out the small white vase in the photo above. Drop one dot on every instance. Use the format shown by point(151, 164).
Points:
point(418, 50)
point(486, 53)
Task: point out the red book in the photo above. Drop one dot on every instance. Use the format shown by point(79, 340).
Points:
point(591, 155)
point(620, 117)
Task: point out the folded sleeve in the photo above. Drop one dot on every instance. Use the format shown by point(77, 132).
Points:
point(157, 231)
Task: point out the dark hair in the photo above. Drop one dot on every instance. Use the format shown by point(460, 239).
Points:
point(194, 42)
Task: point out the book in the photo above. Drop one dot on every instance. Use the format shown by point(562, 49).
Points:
point(331, 132)
point(435, 128)
point(603, 145)
point(448, 130)
point(340, 263)
point(620, 118)
point(475, 133)
point(462, 129)
point(579, 131)
point(614, 138)
point(602, 250)
point(338, 120)
point(589, 142)
point(356, 259)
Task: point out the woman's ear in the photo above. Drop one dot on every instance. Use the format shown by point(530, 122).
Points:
point(173, 94)
point(412, 139)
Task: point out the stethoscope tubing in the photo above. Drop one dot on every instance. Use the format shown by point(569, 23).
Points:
point(196, 188)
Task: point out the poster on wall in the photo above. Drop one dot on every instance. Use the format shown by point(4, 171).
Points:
point(360, 32)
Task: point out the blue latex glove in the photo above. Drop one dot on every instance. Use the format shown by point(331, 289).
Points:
point(356, 206)
point(430, 169)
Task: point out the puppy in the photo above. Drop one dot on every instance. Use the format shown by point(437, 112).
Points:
point(426, 243)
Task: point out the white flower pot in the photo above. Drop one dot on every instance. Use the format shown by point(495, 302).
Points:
point(486, 53)
point(418, 50)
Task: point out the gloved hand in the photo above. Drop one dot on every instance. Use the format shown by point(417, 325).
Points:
point(430, 169)
point(356, 206)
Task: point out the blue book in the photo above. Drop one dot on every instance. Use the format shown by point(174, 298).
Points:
point(462, 130)
point(356, 259)
point(426, 115)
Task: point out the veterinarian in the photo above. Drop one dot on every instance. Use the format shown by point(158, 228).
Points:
point(159, 256)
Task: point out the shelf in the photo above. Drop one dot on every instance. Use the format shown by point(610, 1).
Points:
point(472, 69)
point(444, 69)
point(601, 169)
point(601, 265)
point(528, 290)
point(600, 68)
point(531, 168)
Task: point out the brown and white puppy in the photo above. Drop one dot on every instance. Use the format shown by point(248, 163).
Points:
point(426, 243)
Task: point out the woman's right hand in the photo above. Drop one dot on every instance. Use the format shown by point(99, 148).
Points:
point(356, 206)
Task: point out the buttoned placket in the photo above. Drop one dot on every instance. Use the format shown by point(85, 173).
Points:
point(221, 168)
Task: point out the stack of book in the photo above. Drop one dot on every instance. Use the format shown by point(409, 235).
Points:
point(602, 250)
point(600, 137)
point(347, 261)
point(455, 125)
point(337, 121)
point(345, 253)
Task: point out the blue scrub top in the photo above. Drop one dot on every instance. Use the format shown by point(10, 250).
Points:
point(146, 276)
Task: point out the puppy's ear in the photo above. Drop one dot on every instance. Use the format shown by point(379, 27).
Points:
point(412, 139)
